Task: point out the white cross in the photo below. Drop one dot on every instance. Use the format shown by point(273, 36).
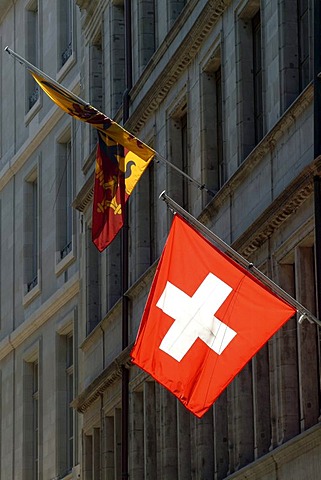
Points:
point(195, 317)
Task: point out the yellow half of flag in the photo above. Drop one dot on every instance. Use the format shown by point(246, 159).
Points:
point(127, 163)
point(72, 105)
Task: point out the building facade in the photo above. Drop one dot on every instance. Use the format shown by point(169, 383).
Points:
point(224, 90)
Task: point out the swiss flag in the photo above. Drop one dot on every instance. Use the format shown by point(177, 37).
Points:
point(205, 317)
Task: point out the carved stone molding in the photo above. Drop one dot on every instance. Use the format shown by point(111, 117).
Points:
point(4, 7)
point(88, 5)
point(85, 196)
point(179, 61)
point(279, 211)
point(108, 376)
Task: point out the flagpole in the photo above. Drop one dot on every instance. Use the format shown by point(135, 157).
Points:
point(31, 67)
point(160, 157)
point(176, 208)
point(200, 185)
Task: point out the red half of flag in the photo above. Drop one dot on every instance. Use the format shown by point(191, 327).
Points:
point(109, 192)
point(205, 318)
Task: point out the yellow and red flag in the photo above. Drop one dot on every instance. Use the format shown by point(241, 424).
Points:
point(117, 172)
point(121, 160)
point(205, 317)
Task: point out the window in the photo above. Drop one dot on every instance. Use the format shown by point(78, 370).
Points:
point(31, 232)
point(96, 82)
point(109, 434)
point(151, 172)
point(32, 51)
point(150, 426)
point(178, 184)
point(35, 419)
point(2, 269)
point(304, 27)
point(112, 446)
point(66, 390)
point(113, 278)
point(257, 77)
point(250, 73)
point(142, 241)
point(213, 175)
point(296, 48)
point(174, 8)
point(64, 197)
point(183, 141)
point(96, 454)
point(93, 273)
point(147, 31)
point(70, 396)
point(31, 419)
point(117, 66)
point(65, 13)
point(92, 456)
point(88, 456)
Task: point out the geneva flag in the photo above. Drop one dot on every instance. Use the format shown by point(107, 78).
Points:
point(205, 318)
point(121, 160)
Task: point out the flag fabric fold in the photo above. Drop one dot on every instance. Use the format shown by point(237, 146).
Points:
point(121, 160)
point(70, 103)
point(205, 318)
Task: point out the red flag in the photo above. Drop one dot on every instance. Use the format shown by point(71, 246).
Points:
point(205, 318)
point(117, 172)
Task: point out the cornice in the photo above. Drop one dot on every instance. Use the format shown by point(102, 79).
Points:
point(85, 196)
point(88, 6)
point(279, 211)
point(5, 6)
point(107, 377)
point(89, 341)
point(47, 310)
point(179, 60)
point(94, 20)
point(114, 369)
point(266, 145)
point(135, 289)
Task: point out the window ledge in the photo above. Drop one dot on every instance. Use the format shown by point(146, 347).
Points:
point(69, 476)
point(61, 264)
point(66, 67)
point(33, 110)
point(32, 294)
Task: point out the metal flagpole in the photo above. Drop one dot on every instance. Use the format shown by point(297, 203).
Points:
point(160, 157)
point(303, 312)
point(200, 185)
point(32, 68)
point(317, 142)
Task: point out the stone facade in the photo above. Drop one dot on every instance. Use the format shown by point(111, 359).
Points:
point(223, 89)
